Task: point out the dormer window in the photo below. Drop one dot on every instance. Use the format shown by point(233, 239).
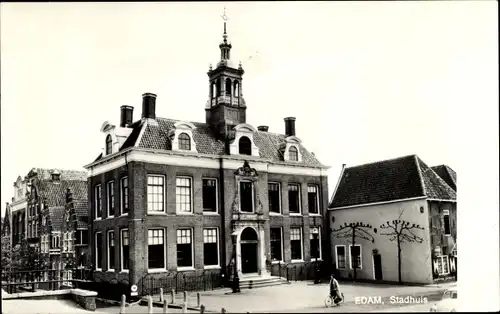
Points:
point(293, 153)
point(109, 144)
point(245, 146)
point(184, 142)
point(56, 176)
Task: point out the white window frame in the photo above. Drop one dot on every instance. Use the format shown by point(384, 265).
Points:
point(282, 247)
point(183, 268)
point(279, 199)
point(441, 270)
point(108, 248)
point(157, 270)
point(360, 256)
point(107, 198)
point(65, 242)
point(96, 188)
point(164, 193)
point(121, 196)
point(96, 250)
point(301, 245)
point(337, 257)
point(253, 195)
point(317, 199)
point(218, 249)
point(80, 230)
point(191, 197)
point(298, 185)
point(446, 212)
point(216, 212)
point(311, 237)
point(56, 236)
point(121, 249)
point(71, 241)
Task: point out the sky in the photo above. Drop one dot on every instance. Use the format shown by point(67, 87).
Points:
point(367, 81)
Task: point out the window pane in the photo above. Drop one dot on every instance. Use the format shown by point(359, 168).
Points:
point(210, 251)
point(209, 195)
point(156, 248)
point(312, 196)
point(293, 199)
point(184, 248)
point(155, 193)
point(341, 256)
point(183, 195)
point(246, 197)
point(274, 197)
point(446, 219)
point(184, 141)
point(98, 249)
point(276, 252)
point(293, 154)
point(295, 243)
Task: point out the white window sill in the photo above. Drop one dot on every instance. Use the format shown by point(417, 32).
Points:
point(185, 268)
point(185, 213)
point(447, 235)
point(295, 214)
point(157, 270)
point(274, 214)
point(98, 218)
point(157, 213)
point(319, 259)
point(124, 271)
point(110, 271)
point(210, 213)
point(277, 262)
point(361, 268)
point(297, 261)
point(110, 217)
point(314, 214)
point(125, 214)
point(211, 267)
point(98, 269)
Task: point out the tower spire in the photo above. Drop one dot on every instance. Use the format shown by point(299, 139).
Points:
point(225, 47)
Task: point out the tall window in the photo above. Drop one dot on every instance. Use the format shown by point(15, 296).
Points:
point(124, 249)
point(56, 237)
point(274, 197)
point(293, 154)
point(98, 250)
point(313, 199)
point(294, 198)
point(111, 198)
point(156, 249)
point(446, 221)
point(296, 243)
point(245, 146)
point(443, 265)
point(340, 256)
point(183, 200)
point(124, 195)
point(98, 201)
point(184, 141)
point(315, 243)
point(355, 256)
point(210, 247)
point(156, 189)
point(111, 250)
point(184, 248)
point(246, 196)
point(276, 247)
point(209, 195)
point(81, 237)
point(108, 145)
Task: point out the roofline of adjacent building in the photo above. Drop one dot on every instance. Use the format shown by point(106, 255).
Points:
point(338, 183)
point(441, 200)
point(379, 203)
point(198, 155)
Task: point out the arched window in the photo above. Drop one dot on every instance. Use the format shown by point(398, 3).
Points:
point(218, 88)
point(184, 141)
point(245, 146)
point(228, 87)
point(293, 153)
point(236, 89)
point(109, 145)
point(213, 90)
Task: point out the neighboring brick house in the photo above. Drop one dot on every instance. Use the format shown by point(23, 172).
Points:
point(54, 196)
point(18, 211)
point(390, 193)
point(170, 196)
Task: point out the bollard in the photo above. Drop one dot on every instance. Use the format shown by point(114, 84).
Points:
point(165, 307)
point(150, 304)
point(184, 307)
point(122, 304)
point(198, 299)
point(173, 296)
point(161, 295)
point(185, 296)
point(202, 309)
point(223, 310)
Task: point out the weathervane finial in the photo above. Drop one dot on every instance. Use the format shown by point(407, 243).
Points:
point(224, 18)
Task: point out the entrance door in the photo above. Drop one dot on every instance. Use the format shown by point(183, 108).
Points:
point(377, 266)
point(249, 251)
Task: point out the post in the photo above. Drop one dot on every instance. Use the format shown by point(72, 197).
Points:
point(223, 310)
point(198, 299)
point(173, 296)
point(202, 309)
point(161, 295)
point(150, 304)
point(185, 296)
point(122, 304)
point(165, 307)
point(184, 307)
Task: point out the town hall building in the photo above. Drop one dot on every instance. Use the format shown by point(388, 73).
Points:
point(169, 196)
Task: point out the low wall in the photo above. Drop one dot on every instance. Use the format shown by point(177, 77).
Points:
point(84, 298)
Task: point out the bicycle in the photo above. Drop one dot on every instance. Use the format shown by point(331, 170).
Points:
point(330, 301)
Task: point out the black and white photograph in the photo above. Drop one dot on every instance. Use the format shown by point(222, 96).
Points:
point(249, 157)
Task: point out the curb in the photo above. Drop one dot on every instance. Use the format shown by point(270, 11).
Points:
point(175, 306)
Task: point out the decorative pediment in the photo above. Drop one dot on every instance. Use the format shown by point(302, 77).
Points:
point(246, 171)
point(293, 140)
point(245, 127)
point(106, 126)
point(186, 125)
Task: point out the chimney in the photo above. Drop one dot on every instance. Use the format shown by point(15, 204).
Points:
point(263, 128)
point(290, 126)
point(126, 116)
point(148, 105)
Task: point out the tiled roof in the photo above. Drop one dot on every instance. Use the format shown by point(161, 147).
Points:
point(56, 215)
point(46, 174)
point(447, 174)
point(55, 192)
point(155, 136)
point(81, 211)
point(388, 180)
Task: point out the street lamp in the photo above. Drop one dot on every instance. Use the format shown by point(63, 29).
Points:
point(236, 279)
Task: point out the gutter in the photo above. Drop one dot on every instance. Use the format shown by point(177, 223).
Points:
point(379, 203)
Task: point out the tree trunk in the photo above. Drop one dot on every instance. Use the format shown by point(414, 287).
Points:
point(399, 260)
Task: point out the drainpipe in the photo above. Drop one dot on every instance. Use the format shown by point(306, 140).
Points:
point(222, 215)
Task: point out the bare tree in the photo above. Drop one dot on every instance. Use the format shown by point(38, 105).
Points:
point(353, 231)
point(401, 231)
